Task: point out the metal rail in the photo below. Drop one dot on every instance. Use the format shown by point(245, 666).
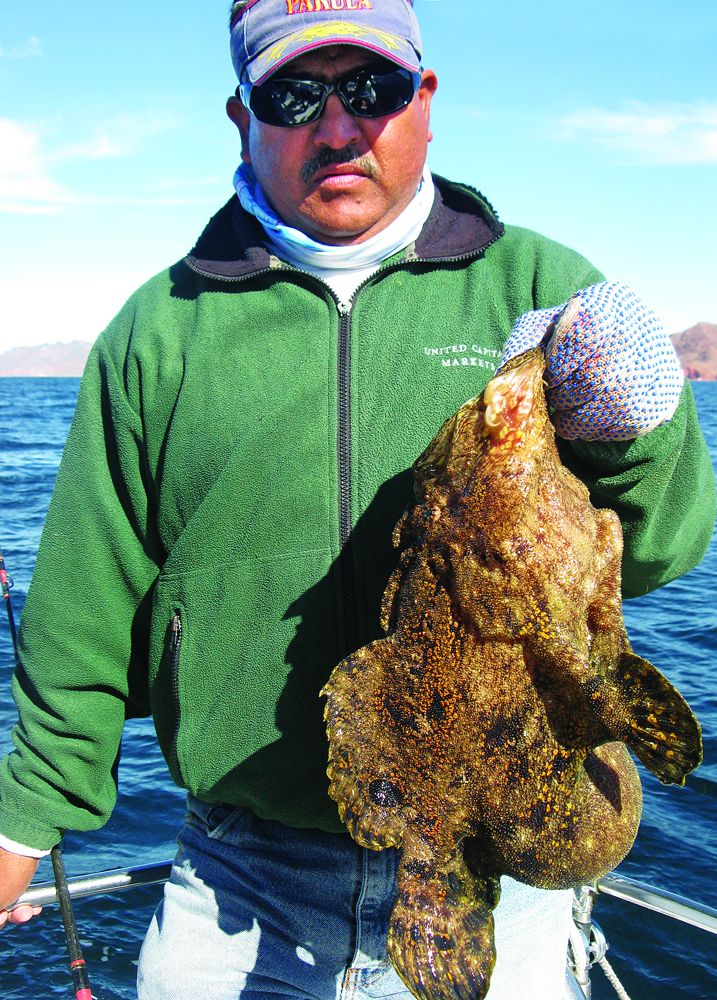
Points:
point(120, 879)
point(660, 901)
point(98, 883)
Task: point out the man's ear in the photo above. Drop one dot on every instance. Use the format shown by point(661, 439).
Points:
point(241, 118)
point(429, 84)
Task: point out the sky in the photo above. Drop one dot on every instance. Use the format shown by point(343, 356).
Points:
point(595, 124)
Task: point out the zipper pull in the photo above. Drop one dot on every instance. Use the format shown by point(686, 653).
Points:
point(175, 636)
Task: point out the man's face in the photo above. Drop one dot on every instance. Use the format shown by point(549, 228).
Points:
point(340, 179)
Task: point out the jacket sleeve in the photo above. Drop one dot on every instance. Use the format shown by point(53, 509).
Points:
point(83, 630)
point(662, 486)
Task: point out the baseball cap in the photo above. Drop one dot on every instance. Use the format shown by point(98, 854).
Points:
point(265, 34)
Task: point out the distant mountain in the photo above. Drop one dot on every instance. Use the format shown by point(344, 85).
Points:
point(697, 350)
point(46, 359)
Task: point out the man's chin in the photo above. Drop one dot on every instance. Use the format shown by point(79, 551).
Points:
point(342, 222)
point(341, 233)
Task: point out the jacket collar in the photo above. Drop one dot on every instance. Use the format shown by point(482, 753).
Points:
point(462, 223)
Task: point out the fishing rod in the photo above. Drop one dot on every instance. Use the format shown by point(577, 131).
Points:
point(6, 583)
point(78, 966)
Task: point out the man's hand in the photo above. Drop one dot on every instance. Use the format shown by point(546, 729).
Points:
point(16, 873)
point(611, 370)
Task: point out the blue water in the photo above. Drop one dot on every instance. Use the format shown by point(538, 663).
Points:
point(676, 628)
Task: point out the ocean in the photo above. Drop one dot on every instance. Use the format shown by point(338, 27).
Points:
point(676, 627)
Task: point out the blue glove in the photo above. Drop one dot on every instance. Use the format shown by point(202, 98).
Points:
point(611, 370)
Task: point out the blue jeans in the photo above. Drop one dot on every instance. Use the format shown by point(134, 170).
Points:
point(255, 909)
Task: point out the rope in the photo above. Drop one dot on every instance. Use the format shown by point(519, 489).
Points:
point(612, 977)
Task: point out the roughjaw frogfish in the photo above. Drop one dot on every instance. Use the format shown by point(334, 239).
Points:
point(487, 733)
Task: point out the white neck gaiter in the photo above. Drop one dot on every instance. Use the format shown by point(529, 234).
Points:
point(343, 268)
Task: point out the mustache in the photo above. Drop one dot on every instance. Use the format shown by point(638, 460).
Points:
point(328, 157)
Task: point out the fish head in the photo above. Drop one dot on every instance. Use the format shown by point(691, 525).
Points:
point(515, 410)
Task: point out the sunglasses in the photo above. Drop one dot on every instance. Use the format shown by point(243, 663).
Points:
point(365, 93)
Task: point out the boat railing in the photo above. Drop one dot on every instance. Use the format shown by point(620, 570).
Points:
point(669, 904)
point(98, 883)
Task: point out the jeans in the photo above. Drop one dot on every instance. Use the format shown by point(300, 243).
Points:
point(255, 909)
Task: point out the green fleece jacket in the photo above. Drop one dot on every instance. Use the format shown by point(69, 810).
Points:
point(220, 533)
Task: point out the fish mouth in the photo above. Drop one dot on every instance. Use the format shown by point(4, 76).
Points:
point(510, 400)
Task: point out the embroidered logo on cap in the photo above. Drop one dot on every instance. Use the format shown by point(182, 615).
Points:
point(316, 6)
point(332, 29)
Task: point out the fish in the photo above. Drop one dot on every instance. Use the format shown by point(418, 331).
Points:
point(487, 732)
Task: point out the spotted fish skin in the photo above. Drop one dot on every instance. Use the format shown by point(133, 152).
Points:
point(486, 734)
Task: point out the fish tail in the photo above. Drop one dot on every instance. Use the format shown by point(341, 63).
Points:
point(663, 732)
point(440, 936)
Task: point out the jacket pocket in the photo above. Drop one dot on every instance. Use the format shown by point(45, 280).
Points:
point(166, 641)
point(238, 655)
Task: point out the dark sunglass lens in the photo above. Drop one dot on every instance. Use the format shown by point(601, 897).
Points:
point(287, 102)
point(371, 95)
point(360, 94)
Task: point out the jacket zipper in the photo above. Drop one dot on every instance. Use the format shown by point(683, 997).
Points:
point(344, 427)
point(346, 557)
point(176, 631)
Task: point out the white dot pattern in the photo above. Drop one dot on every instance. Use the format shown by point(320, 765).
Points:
point(611, 369)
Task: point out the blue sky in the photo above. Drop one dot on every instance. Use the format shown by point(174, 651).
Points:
point(595, 124)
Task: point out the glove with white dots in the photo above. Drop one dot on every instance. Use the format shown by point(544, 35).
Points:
point(611, 370)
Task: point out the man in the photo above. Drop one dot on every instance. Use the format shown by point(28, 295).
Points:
point(238, 459)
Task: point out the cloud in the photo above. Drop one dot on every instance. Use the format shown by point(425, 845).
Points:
point(121, 135)
point(32, 47)
point(670, 133)
point(25, 185)
point(28, 162)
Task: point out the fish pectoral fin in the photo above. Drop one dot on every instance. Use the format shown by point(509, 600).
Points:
point(440, 936)
point(364, 766)
point(665, 735)
point(649, 714)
